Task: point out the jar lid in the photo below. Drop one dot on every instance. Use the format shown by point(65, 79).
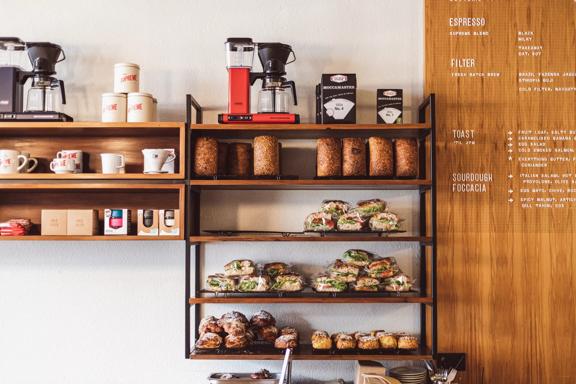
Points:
point(127, 65)
point(114, 94)
point(139, 94)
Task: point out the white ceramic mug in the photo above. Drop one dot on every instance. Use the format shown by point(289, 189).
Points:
point(154, 159)
point(11, 161)
point(169, 165)
point(30, 164)
point(73, 154)
point(63, 165)
point(113, 163)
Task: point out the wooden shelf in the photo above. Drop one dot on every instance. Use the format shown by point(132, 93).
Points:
point(310, 300)
point(90, 238)
point(92, 176)
point(344, 184)
point(309, 238)
point(309, 131)
point(85, 127)
point(305, 352)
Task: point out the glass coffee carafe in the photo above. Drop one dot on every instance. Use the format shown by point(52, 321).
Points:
point(46, 95)
point(276, 97)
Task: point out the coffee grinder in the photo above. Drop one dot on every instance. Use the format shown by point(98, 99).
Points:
point(273, 98)
point(46, 92)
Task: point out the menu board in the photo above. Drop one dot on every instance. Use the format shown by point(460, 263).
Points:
point(504, 72)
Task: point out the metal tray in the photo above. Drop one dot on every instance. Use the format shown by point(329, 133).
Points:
point(242, 378)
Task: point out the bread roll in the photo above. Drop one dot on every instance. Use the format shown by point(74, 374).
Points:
point(206, 156)
point(381, 157)
point(266, 156)
point(353, 157)
point(328, 157)
point(222, 158)
point(406, 158)
point(239, 158)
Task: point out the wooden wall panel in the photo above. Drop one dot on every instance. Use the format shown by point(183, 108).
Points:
point(507, 273)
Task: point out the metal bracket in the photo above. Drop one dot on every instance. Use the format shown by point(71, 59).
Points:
point(452, 360)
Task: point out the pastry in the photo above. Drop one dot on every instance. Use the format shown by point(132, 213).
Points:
point(358, 335)
point(328, 157)
point(367, 284)
point(239, 159)
point(268, 333)
point(288, 282)
point(353, 157)
point(261, 374)
point(262, 319)
point(368, 342)
point(343, 271)
point(406, 157)
point(352, 221)
point(234, 323)
point(368, 208)
point(274, 269)
point(286, 341)
point(251, 333)
point(319, 222)
point(383, 268)
point(209, 324)
point(209, 340)
point(336, 208)
point(239, 268)
point(408, 342)
point(345, 341)
point(324, 283)
point(222, 158)
point(220, 283)
point(357, 257)
point(387, 340)
point(381, 155)
point(254, 283)
point(206, 156)
point(384, 222)
point(398, 283)
point(266, 156)
point(321, 340)
point(236, 342)
point(289, 331)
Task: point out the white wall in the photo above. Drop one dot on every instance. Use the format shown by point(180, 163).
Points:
point(113, 313)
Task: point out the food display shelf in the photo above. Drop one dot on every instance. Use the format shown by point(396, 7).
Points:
point(335, 237)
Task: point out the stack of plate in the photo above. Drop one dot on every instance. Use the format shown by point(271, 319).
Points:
point(410, 375)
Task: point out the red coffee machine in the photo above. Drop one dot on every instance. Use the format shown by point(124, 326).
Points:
point(274, 97)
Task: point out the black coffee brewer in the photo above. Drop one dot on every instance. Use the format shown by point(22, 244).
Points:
point(46, 92)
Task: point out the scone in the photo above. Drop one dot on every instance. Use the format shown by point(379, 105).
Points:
point(387, 340)
point(368, 342)
point(268, 333)
point(345, 341)
point(286, 341)
point(321, 340)
point(209, 340)
point(209, 324)
point(237, 342)
point(262, 319)
point(407, 342)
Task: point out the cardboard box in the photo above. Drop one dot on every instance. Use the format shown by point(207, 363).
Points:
point(148, 222)
point(389, 105)
point(337, 99)
point(169, 222)
point(53, 222)
point(82, 222)
point(117, 221)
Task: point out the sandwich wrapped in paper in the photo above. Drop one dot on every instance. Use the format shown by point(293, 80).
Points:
point(383, 268)
point(326, 283)
point(352, 221)
point(220, 283)
point(288, 282)
point(254, 283)
point(398, 283)
point(336, 208)
point(367, 208)
point(319, 222)
point(344, 271)
point(384, 222)
point(358, 257)
point(239, 268)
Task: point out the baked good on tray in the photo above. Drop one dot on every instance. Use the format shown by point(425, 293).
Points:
point(321, 340)
point(381, 155)
point(262, 319)
point(368, 208)
point(328, 157)
point(254, 283)
point(325, 283)
point(274, 269)
point(406, 157)
point(336, 208)
point(383, 268)
point(209, 324)
point(342, 271)
point(289, 331)
point(353, 156)
point(268, 333)
point(239, 159)
point(220, 283)
point(236, 342)
point(286, 341)
point(266, 156)
point(209, 340)
point(344, 341)
point(408, 342)
point(234, 323)
point(351, 221)
point(368, 342)
point(398, 283)
point(388, 340)
point(239, 268)
point(205, 156)
point(367, 284)
point(319, 222)
point(288, 282)
point(358, 257)
point(384, 222)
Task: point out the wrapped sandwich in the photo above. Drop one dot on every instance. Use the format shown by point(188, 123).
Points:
point(398, 283)
point(254, 283)
point(220, 283)
point(367, 208)
point(336, 208)
point(239, 268)
point(324, 283)
point(319, 222)
point(344, 271)
point(352, 221)
point(274, 269)
point(358, 257)
point(384, 222)
point(383, 268)
point(288, 282)
point(367, 284)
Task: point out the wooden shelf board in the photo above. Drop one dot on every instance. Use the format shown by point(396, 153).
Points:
point(307, 127)
point(92, 176)
point(88, 128)
point(306, 238)
point(92, 124)
point(311, 184)
point(89, 238)
point(91, 185)
point(305, 352)
point(310, 300)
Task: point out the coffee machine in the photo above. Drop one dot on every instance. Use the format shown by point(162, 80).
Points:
point(46, 91)
point(273, 97)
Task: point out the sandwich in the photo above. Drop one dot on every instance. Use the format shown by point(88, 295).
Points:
point(383, 268)
point(254, 284)
point(352, 221)
point(358, 257)
point(288, 282)
point(367, 284)
point(220, 283)
point(344, 271)
point(274, 269)
point(239, 268)
point(336, 208)
point(319, 222)
point(367, 208)
point(398, 283)
point(384, 222)
point(324, 283)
